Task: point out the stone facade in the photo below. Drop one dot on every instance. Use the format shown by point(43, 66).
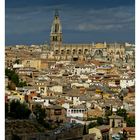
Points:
point(116, 121)
point(56, 113)
point(101, 51)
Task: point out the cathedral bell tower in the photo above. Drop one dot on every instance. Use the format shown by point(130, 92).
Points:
point(56, 32)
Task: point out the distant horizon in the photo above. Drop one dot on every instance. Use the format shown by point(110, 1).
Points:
point(29, 22)
point(121, 42)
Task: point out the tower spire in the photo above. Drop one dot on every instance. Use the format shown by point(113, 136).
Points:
point(56, 13)
point(56, 32)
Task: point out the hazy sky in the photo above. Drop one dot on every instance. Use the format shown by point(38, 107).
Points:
point(83, 21)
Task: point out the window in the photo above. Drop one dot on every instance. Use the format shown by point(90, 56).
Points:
point(79, 52)
point(56, 52)
point(74, 52)
point(54, 38)
point(68, 51)
point(62, 51)
point(56, 28)
point(57, 111)
point(73, 121)
point(117, 82)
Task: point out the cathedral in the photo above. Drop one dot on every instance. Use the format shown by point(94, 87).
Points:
point(98, 51)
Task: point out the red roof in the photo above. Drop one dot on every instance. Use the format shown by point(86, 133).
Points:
point(129, 129)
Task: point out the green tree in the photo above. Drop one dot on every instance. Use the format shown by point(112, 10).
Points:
point(92, 124)
point(40, 113)
point(12, 76)
point(122, 112)
point(22, 84)
point(9, 73)
point(99, 120)
point(130, 122)
point(19, 110)
point(15, 81)
point(85, 130)
point(15, 137)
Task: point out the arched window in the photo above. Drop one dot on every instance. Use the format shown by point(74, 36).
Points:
point(85, 51)
point(56, 28)
point(55, 38)
point(117, 52)
point(68, 51)
point(62, 51)
point(74, 51)
point(79, 52)
point(56, 51)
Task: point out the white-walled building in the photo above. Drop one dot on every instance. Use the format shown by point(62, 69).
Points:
point(86, 85)
point(76, 120)
point(57, 88)
point(127, 83)
point(37, 99)
point(46, 102)
point(66, 105)
point(75, 100)
point(16, 66)
point(76, 112)
point(78, 70)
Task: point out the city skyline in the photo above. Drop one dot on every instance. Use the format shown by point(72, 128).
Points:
point(82, 21)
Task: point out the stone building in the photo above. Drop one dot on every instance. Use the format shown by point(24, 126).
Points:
point(102, 132)
point(129, 133)
point(56, 113)
point(116, 121)
point(38, 57)
point(99, 51)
